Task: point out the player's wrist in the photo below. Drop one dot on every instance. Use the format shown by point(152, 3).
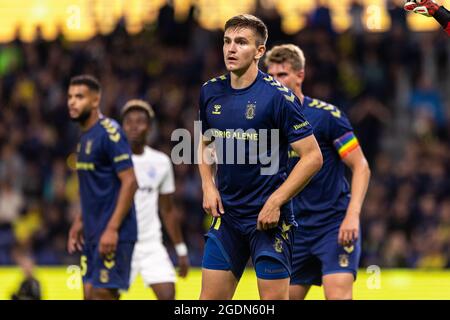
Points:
point(353, 213)
point(78, 220)
point(277, 199)
point(442, 16)
point(181, 249)
point(112, 227)
point(206, 186)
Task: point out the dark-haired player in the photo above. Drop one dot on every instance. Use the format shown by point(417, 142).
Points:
point(154, 173)
point(106, 229)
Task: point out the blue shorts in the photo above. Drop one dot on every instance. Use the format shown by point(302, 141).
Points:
point(238, 242)
point(318, 253)
point(112, 272)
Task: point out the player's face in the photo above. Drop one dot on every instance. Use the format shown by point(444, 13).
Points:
point(240, 49)
point(136, 126)
point(286, 75)
point(81, 101)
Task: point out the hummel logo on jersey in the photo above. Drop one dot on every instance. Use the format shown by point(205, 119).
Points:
point(285, 230)
point(315, 103)
point(349, 249)
point(109, 261)
point(290, 98)
point(217, 109)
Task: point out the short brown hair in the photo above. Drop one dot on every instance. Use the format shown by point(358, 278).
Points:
point(251, 22)
point(286, 53)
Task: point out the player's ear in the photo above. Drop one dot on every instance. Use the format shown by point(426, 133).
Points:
point(301, 74)
point(261, 50)
point(96, 99)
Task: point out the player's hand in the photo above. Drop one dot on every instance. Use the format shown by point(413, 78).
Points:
point(349, 230)
point(424, 7)
point(108, 242)
point(75, 241)
point(183, 266)
point(212, 203)
point(269, 215)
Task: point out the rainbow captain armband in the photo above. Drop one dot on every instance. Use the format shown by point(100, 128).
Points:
point(346, 144)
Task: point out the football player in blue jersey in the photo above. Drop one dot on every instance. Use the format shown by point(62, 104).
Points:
point(327, 242)
point(106, 229)
point(248, 196)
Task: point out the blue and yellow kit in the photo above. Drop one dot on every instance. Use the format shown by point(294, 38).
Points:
point(103, 152)
point(321, 206)
point(240, 116)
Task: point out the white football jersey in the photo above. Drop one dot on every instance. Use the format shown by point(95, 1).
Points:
point(154, 174)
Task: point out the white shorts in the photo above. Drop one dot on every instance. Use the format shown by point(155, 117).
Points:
point(151, 260)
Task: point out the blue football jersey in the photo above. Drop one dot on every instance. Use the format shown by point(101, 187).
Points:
point(328, 193)
point(103, 151)
point(238, 117)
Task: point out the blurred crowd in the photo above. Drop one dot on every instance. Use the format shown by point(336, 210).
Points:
point(393, 85)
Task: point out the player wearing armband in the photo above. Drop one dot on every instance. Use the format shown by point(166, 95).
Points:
point(327, 242)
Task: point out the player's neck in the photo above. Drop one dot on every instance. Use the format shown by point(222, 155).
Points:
point(137, 148)
point(243, 78)
point(298, 92)
point(91, 121)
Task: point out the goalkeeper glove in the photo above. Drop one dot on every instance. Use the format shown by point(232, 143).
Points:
point(424, 7)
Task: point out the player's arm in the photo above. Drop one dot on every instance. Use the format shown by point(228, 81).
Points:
point(128, 187)
point(310, 163)
point(212, 203)
point(75, 241)
point(173, 227)
point(356, 161)
point(442, 16)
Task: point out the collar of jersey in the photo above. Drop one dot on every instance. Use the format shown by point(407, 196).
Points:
point(143, 154)
point(246, 89)
point(305, 97)
point(93, 127)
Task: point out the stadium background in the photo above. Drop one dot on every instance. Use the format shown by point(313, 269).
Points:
point(388, 70)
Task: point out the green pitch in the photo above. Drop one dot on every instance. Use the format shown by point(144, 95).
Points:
point(64, 283)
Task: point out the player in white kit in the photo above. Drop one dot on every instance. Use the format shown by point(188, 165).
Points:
point(155, 178)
